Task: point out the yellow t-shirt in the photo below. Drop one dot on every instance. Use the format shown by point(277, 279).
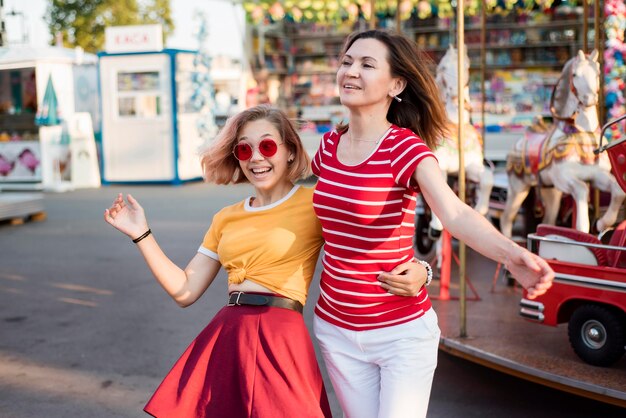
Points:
point(275, 246)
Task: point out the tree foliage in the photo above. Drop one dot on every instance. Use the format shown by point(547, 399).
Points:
point(82, 22)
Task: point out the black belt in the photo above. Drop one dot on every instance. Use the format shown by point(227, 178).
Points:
point(241, 298)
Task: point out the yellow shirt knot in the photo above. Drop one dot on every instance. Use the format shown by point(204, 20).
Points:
point(236, 276)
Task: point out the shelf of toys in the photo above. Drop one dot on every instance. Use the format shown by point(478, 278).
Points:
point(526, 48)
point(614, 67)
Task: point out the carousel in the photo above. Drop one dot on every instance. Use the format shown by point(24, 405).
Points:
point(562, 183)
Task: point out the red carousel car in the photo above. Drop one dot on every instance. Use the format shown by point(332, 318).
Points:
point(589, 290)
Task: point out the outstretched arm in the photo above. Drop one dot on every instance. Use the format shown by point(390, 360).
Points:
point(530, 270)
point(184, 286)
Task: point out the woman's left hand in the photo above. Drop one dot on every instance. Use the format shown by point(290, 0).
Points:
point(531, 271)
point(405, 280)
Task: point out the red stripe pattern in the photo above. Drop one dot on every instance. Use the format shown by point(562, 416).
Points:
point(367, 214)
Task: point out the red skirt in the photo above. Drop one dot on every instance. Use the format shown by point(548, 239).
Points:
point(248, 362)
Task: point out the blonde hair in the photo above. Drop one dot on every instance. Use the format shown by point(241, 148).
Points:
point(220, 166)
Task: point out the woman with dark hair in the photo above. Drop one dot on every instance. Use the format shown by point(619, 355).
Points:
point(380, 349)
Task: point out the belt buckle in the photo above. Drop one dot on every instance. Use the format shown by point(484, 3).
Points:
point(236, 302)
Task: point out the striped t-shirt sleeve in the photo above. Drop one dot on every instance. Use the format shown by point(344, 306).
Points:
point(407, 151)
point(316, 163)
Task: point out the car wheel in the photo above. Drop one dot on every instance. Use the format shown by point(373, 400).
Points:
point(598, 334)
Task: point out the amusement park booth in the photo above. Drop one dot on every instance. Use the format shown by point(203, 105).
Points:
point(39, 89)
point(149, 123)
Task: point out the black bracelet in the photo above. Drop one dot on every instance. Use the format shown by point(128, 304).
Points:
point(142, 236)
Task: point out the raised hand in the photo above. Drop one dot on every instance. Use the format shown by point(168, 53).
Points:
point(128, 218)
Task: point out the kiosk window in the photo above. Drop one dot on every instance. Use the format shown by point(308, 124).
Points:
point(139, 94)
point(138, 81)
point(140, 106)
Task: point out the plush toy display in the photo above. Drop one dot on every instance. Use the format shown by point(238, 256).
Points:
point(614, 67)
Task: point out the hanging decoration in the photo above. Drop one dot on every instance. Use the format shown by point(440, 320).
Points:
point(334, 11)
point(203, 95)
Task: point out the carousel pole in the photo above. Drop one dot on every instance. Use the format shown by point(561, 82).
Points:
point(483, 69)
point(597, 44)
point(398, 17)
point(460, 29)
point(373, 14)
point(585, 25)
point(599, 47)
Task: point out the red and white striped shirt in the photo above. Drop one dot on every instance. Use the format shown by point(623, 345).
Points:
point(367, 214)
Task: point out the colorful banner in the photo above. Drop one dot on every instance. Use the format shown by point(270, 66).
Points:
point(351, 10)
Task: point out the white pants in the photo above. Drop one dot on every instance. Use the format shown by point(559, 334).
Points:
point(381, 373)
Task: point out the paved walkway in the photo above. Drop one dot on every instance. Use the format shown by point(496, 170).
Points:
point(86, 332)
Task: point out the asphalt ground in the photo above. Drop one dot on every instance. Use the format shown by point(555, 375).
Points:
point(85, 331)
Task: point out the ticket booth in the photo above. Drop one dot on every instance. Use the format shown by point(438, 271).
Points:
point(149, 130)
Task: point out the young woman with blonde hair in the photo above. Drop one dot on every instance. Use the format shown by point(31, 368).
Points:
point(255, 358)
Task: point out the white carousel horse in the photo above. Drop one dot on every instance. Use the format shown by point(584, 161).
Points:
point(562, 155)
point(448, 151)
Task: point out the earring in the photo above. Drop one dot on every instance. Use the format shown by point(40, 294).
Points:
point(397, 99)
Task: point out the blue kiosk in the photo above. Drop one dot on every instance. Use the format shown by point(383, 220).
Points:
point(149, 123)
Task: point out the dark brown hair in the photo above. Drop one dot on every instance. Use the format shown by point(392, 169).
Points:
point(220, 165)
point(421, 109)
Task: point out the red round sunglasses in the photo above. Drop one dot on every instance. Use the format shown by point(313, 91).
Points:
point(267, 147)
